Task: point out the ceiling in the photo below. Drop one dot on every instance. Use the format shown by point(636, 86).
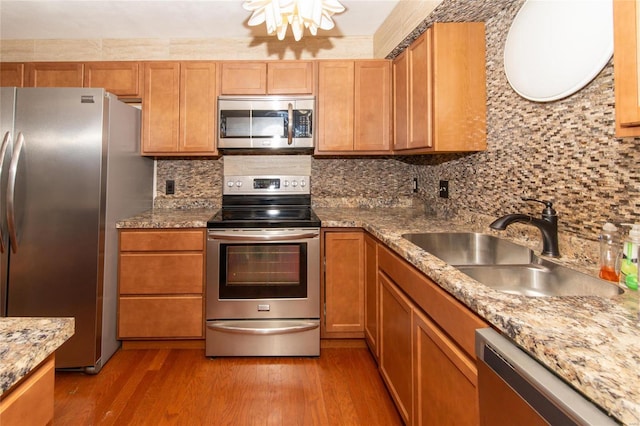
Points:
point(117, 19)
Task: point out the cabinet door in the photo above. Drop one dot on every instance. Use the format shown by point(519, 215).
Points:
point(148, 317)
point(243, 78)
point(344, 284)
point(197, 107)
point(420, 113)
point(161, 107)
point(401, 101)
point(285, 78)
point(395, 345)
point(445, 379)
point(371, 294)
point(120, 78)
point(626, 70)
point(335, 106)
point(54, 74)
point(372, 109)
point(459, 87)
point(11, 74)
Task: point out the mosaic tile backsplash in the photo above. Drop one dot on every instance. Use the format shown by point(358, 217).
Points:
point(564, 151)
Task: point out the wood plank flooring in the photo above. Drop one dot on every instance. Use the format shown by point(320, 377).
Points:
point(183, 387)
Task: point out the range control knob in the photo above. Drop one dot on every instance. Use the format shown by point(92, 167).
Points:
point(238, 183)
point(303, 183)
point(286, 183)
point(230, 183)
point(294, 183)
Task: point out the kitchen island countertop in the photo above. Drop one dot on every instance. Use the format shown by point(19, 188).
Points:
point(591, 342)
point(26, 342)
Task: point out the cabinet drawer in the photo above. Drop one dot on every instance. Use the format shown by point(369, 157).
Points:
point(161, 273)
point(160, 317)
point(164, 240)
point(451, 315)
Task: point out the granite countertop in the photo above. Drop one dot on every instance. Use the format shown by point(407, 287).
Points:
point(591, 342)
point(168, 218)
point(26, 342)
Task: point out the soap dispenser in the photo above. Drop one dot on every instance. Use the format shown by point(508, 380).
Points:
point(609, 252)
point(629, 258)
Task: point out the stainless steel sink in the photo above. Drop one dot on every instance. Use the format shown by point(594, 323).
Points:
point(540, 279)
point(509, 267)
point(470, 248)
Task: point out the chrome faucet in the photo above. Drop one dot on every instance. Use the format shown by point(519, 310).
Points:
point(548, 226)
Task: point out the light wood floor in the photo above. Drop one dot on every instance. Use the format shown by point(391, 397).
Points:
point(183, 387)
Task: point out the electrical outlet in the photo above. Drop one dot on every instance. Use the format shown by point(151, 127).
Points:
point(444, 189)
point(170, 187)
point(415, 185)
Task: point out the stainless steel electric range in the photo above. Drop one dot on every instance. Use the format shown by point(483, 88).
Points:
point(263, 269)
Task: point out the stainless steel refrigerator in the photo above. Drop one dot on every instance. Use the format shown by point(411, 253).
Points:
point(70, 168)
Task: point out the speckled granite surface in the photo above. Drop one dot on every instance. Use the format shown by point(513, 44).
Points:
point(169, 218)
point(593, 343)
point(26, 342)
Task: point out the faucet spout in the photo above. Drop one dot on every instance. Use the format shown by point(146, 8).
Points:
point(548, 226)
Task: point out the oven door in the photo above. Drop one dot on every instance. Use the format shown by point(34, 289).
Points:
point(263, 273)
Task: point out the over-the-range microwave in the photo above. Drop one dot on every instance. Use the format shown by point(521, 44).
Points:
point(266, 122)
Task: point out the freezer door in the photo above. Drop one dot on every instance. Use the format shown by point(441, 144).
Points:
point(7, 135)
point(54, 270)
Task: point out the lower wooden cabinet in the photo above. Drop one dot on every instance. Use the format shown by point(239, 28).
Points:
point(426, 347)
point(343, 286)
point(30, 402)
point(371, 294)
point(395, 345)
point(161, 284)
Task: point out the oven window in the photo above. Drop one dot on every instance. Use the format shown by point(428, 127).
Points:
point(274, 270)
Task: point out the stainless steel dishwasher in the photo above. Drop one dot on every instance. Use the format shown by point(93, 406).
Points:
point(513, 388)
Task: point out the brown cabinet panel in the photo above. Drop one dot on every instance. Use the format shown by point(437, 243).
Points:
point(148, 317)
point(120, 78)
point(164, 240)
point(197, 107)
point(445, 379)
point(243, 78)
point(401, 101)
point(395, 345)
point(344, 284)
point(287, 78)
point(372, 109)
point(11, 74)
point(335, 106)
point(161, 107)
point(31, 401)
point(161, 273)
point(371, 294)
point(626, 67)
point(54, 74)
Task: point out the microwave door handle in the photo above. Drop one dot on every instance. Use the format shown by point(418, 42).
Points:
point(3, 151)
point(11, 197)
point(290, 125)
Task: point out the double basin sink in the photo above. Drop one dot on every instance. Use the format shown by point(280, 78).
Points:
point(508, 267)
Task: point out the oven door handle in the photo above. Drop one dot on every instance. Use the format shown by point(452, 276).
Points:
point(250, 238)
point(263, 327)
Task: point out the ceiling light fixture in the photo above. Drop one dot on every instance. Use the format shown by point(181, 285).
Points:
point(300, 14)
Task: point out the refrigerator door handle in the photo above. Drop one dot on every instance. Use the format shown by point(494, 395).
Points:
point(11, 187)
point(3, 151)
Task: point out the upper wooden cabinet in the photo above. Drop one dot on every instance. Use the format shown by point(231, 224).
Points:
point(440, 91)
point(626, 24)
point(266, 78)
point(123, 79)
point(54, 74)
point(11, 74)
point(179, 108)
point(354, 107)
